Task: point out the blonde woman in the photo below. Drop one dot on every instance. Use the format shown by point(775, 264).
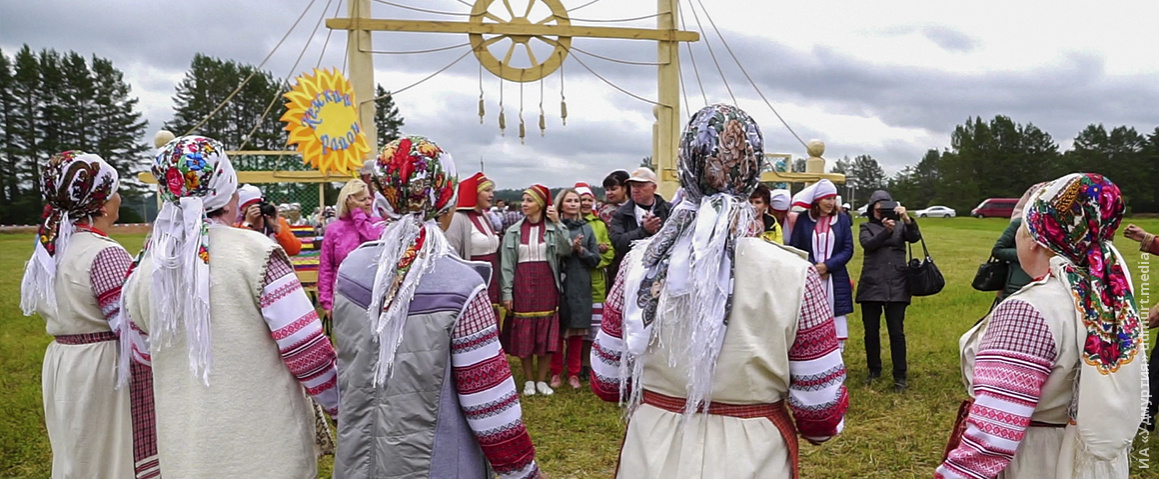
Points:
point(355, 225)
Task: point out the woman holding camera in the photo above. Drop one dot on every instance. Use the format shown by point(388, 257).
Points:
point(882, 286)
point(354, 226)
point(261, 216)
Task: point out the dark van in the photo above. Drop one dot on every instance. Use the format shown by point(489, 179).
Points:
point(995, 208)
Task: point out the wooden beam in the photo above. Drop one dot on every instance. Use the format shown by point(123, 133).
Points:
point(309, 176)
point(263, 152)
point(513, 29)
point(779, 177)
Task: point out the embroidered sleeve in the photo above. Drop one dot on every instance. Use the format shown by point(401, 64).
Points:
point(817, 393)
point(296, 329)
point(608, 348)
point(1015, 357)
point(106, 277)
point(487, 392)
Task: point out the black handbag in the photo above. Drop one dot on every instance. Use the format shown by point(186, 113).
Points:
point(922, 275)
point(991, 275)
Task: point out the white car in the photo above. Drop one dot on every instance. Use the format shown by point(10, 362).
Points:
point(936, 211)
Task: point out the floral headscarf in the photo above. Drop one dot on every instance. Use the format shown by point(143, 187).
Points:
point(195, 177)
point(419, 182)
point(1076, 217)
point(684, 275)
point(75, 186)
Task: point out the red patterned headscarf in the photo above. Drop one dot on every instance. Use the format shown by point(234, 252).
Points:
point(418, 179)
point(1076, 217)
point(75, 185)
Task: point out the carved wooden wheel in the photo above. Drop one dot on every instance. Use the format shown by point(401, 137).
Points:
point(519, 62)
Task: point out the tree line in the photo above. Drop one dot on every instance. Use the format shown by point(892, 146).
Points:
point(1001, 158)
point(52, 102)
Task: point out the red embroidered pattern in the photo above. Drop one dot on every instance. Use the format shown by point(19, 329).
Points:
point(297, 325)
point(282, 291)
point(482, 375)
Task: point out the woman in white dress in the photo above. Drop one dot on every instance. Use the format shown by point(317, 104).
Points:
point(73, 280)
point(1055, 371)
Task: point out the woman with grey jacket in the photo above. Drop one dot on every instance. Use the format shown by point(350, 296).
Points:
point(532, 251)
point(575, 309)
point(882, 286)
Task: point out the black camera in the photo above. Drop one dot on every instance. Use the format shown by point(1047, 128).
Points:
point(268, 209)
point(887, 210)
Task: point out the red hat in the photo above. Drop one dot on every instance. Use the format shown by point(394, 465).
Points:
point(540, 194)
point(584, 189)
point(469, 191)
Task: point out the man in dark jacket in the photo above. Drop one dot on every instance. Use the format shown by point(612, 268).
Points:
point(882, 286)
point(640, 217)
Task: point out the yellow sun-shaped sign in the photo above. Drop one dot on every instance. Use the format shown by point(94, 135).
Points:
point(322, 118)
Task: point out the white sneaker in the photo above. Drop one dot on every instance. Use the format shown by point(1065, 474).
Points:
point(529, 388)
point(544, 389)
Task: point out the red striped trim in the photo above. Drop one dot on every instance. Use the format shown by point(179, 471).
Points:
point(87, 338)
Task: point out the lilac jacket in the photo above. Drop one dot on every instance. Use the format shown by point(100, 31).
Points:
point(343, 235)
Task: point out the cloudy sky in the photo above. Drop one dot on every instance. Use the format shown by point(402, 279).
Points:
point(889, 79)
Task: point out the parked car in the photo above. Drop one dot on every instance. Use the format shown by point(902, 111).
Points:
point(936, 212)
point(995, 208)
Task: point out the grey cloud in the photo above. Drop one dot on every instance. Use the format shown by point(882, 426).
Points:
point(949, 39)
point(1061, 99)
point(943, 36)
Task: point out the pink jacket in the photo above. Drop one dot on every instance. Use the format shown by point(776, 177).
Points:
point(342, 236)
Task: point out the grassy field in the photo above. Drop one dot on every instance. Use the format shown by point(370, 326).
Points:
point(577, 436)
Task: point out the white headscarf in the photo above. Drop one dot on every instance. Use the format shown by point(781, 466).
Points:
point(75, 185)
point(780, 200)
point(194, 177)
point(817, 191)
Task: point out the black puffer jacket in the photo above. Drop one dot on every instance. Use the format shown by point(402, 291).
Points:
point(884, 256)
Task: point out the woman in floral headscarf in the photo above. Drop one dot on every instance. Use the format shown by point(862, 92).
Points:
point(233, 341)
point(531, 252)
point(704, 296)
point(426, 388)
point(73, 280)
point(1055, 371)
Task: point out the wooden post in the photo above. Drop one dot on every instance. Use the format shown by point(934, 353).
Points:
point(667, 132)
point(358, 45)
point(321, 197)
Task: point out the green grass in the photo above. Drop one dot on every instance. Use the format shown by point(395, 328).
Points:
point(578, 436)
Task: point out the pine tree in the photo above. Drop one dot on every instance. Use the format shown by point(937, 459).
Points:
point(51, 118)
point(79, 92)
point(387, 120)
point(207, 83)
point(120, 127)
point(24, 140)
point(9, 185)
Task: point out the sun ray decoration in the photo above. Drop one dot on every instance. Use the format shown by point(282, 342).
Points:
point(322, 119)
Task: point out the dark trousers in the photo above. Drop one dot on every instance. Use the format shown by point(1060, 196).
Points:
point(894, 321)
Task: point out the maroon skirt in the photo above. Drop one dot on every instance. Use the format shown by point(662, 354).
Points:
point(534, 320)
point(492, 286)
